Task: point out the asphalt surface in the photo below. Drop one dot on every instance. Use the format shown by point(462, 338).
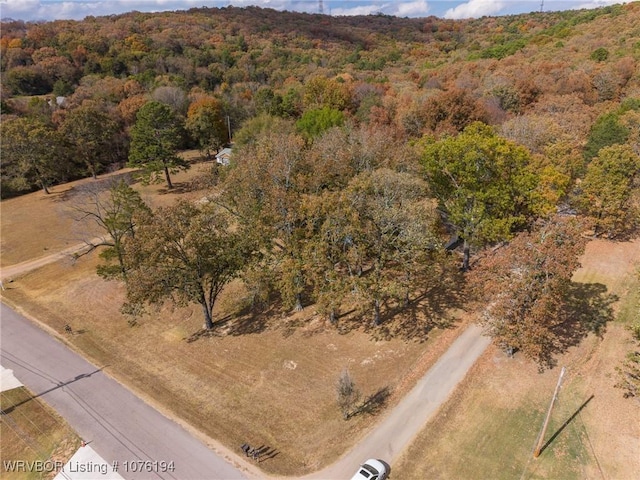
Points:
point(125, 429)
point(111, 419)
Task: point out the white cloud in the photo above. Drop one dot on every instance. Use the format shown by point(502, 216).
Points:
point(596, 4)
point(359, 10)
point(416, 8)
point(475, 9)
point(78, 9)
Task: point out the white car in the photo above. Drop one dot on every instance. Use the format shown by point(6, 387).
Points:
point(372, 469)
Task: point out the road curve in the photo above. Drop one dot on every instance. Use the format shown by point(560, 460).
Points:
point(395, 432)
point(119, 425)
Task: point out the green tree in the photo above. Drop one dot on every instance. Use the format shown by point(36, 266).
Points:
point(155, 138)
point(606, 131)
point(611, 183)
point(269, 102)
point(600, 54)
point(205, 123)
point(482, 183)
point(186, 254)
point(32, 154)
point(315, 121)
point(27, 81)
point(91, 133)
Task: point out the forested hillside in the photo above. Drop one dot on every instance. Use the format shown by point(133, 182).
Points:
point(360, 145)
point(544, 78)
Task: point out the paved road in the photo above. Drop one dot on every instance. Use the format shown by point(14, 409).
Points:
point(396, 431)
point(125, 428)
point(119, 425)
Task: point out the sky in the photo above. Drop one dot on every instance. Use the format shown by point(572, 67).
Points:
point(34, 10)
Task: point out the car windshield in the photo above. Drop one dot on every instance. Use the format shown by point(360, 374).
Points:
point(368, 471)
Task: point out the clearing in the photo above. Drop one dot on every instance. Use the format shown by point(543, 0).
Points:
point(490, 426)
point(269, 378)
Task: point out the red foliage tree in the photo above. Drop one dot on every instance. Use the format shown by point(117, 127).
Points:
point(526, 286)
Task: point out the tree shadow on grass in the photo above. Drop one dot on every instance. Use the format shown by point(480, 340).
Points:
point(249, 321)
point(373, 404)
point(431, 308)
point(589, 306)
point(245, 322)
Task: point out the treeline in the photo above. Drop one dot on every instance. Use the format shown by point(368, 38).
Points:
point(543, 78)
point(356, 218)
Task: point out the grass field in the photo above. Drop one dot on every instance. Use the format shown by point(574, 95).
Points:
point(31, 431)
point(266, 379)
point(269, 379)
point(490, 426)
point(263, 382)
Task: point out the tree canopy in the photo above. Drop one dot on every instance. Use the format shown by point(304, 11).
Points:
point(31, 154)
point(155, 139)
point(482, 183)
point(525, 287)
point(185, 253)
point(610, 192)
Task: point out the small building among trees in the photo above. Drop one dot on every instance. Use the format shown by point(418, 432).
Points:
point(223, 157)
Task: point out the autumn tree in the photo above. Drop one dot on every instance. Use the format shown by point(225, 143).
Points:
point(32, 154)
point(525, 287)
point(609, 191)
point(264, 191)
point(91, 133)
point(321, 92)
point(374, 239)
point(115, 211)
point(452, 111)
point(155, 138)
point(395, 226)
point(206, 125)
point(482, 183)
point(187, 254)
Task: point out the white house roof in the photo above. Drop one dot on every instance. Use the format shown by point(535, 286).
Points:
point(225, 152)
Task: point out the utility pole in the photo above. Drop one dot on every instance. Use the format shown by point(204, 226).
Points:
point(536, 452)
point(229, 127)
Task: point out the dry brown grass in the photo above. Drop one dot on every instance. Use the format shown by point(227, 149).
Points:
point(489, 427)
point(266, 379)
point(37, 224)
point(30, 431)
point(273, 388)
